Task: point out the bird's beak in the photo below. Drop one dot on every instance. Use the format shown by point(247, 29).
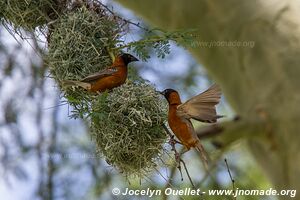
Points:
point(132, 59)
point(161, 92)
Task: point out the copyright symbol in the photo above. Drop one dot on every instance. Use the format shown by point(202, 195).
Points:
point(116, 191)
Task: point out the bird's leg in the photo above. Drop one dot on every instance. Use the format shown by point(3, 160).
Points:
point(184, 150)
point(177, 142)
point(173, 142)
point(178, 159)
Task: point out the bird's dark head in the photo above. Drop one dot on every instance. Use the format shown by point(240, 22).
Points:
point(127, 58)
point(171, 95)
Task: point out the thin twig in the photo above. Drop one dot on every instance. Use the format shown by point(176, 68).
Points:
point(58, 105)
point(187, 172)
point(155, 39)
point(124, 20)
point(232, 180)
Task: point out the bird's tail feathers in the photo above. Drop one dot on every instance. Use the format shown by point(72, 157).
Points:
point(69, 83)
point(203, 154)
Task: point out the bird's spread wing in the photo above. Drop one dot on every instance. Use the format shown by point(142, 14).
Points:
point(101, 74)
point(202, 106)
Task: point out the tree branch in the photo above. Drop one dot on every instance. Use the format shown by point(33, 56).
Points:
point(228, 132)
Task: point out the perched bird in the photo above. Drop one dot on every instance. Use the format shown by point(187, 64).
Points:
point(113, 76)
point(200, 107)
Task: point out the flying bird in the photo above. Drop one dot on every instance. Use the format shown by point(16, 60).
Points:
point(111, 77)
point(200, 107)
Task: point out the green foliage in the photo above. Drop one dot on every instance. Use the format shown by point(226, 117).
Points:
point(127, 127)
point(29, 14)
point(159, 42)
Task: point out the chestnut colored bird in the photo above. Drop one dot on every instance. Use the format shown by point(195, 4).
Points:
point(200, 107)
point(111, 77)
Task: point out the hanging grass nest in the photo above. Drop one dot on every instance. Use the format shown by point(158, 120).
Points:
point(78, 46)
point(31, 13)
point(2, 9)
point(126, 125)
